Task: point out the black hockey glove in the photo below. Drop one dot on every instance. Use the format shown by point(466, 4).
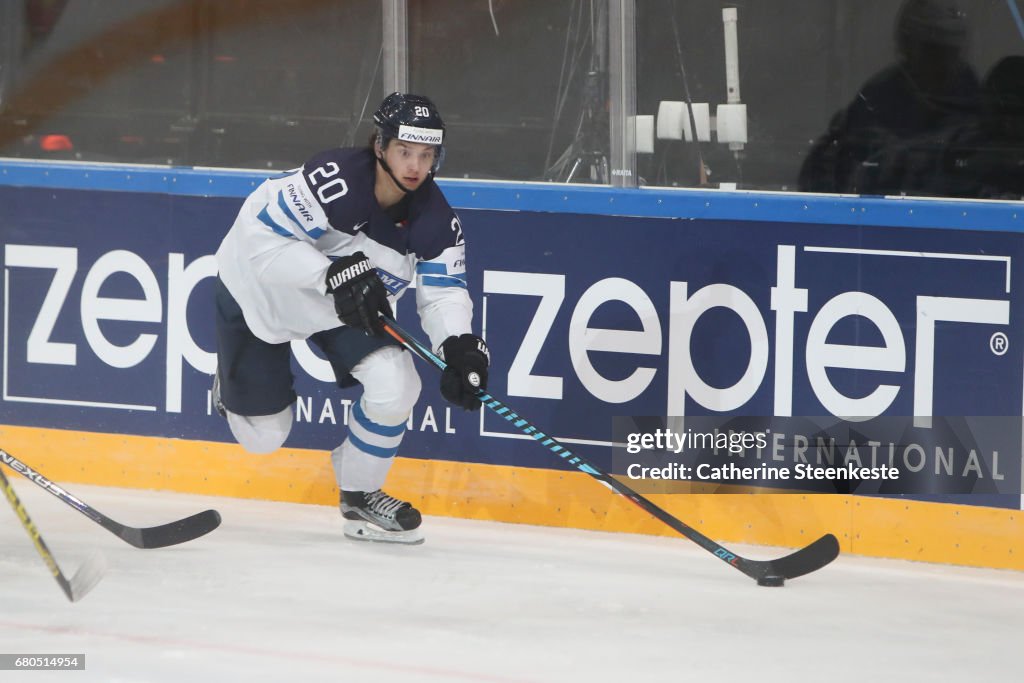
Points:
point(359, 295)
point(467, 358)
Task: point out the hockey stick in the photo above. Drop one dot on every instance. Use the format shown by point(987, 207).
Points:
point(172, 533)
point(87, 576)
point(766, 573)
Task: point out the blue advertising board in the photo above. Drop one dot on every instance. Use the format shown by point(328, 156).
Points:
point(108, 321)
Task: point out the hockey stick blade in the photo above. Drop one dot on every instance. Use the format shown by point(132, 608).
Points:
point(172, 533)
point(803, 561)
point(87, 576)
point(808, 559)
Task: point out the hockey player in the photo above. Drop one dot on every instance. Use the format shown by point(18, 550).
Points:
point(339, 240)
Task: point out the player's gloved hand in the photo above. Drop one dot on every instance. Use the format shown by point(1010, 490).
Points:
point(359, 295)
point(467, 358)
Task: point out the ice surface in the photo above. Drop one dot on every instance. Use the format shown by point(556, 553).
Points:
point(277, 594)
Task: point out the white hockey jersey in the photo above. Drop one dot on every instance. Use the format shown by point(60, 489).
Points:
point(275, 257)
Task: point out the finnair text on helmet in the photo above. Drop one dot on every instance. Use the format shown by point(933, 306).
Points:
point(426, 136)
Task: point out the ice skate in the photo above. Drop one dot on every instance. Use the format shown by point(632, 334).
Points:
point(376, 516)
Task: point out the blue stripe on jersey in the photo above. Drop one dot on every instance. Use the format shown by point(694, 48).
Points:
point(437, 274)
point(265, 218)
point(315, 233)
point(376, 451)
point(371, 426)
point(444, 281)
point(426, 268)
point(284, 207)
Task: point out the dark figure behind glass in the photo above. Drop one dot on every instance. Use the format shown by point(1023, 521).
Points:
point(982, 159)
point(998, 155)
point(930, 89)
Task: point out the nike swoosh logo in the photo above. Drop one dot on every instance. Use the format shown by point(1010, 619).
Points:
point(359, 226)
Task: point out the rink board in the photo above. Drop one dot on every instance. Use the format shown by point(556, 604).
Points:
point(927, 532)
point(670, 308)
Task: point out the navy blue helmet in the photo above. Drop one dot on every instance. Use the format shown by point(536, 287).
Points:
point(413, 118)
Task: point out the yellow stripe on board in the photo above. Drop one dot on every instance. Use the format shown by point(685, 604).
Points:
point(952, 534)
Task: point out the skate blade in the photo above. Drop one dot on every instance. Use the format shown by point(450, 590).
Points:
point(358, 530)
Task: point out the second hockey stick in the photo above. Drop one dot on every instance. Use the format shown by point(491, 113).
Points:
point(172, 533)
point(767, 572)
point(87, 576)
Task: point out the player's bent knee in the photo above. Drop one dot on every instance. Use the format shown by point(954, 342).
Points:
point(261, 433)
point(391, 385)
